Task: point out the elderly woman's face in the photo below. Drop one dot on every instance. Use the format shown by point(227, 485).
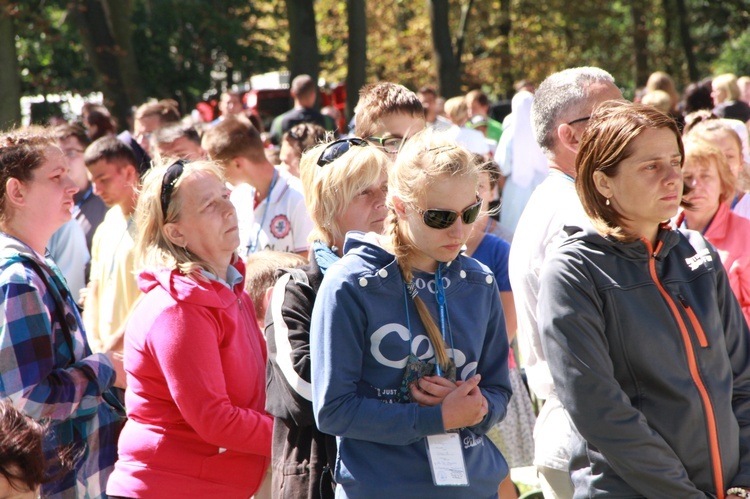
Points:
point(704, 180)
point(207, 220)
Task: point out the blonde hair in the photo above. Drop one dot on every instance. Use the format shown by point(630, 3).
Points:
point(728, 83)
point(154, 249)
point(331, 188)
point(698, 150)
point(456, 109)
point(658, 99)
point(659, 80)
point(260, 274)
point(424, 159)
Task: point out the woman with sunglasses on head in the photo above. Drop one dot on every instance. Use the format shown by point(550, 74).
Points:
point(646, 342)
point(344, 184)
point(47, 370)
point(295, 142)
point(408, 344)
point(195, 358)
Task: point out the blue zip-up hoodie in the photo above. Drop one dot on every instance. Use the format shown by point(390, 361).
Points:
point(360, 340)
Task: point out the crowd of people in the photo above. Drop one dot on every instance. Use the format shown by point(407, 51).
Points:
point(210, 309)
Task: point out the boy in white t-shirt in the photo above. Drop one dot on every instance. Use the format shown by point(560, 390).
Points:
point(267, 200)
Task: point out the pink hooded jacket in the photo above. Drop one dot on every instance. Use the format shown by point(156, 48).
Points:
point(195, 362)
point(730, 234)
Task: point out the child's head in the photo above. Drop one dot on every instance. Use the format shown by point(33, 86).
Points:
point(232, 138)
point(387, 109)
point(22, 463)
point(260, 276)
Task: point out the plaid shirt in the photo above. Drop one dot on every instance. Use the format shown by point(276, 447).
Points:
point(47, 381)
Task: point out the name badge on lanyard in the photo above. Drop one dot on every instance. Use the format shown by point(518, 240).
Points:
point(447, 460)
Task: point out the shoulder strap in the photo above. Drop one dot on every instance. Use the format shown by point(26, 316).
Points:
point(57, 295)
point(298, 275)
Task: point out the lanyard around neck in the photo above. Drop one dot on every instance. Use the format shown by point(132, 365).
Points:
point(254, 245)
point(445, 323)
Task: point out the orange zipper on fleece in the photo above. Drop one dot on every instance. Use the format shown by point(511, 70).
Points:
point(713, 436)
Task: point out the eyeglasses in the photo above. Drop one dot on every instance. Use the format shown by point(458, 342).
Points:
point(337, 148)
point(389, 144)
point(442, 219)
point(579, 120)
point(72, 153)
point(171, 176)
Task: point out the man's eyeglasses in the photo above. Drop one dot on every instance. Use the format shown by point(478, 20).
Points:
point(336, 149)
point(579, 120)
point(389, 144)
point(442, 219)
point(171, 176)
point(72, 153)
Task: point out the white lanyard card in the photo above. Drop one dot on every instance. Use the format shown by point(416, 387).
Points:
point(447, 460)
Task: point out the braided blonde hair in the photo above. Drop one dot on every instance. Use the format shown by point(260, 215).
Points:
point(424, 158)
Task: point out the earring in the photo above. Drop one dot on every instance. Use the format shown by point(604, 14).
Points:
point(607, 203)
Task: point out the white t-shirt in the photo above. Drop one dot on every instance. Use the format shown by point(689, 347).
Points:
point(472, 140)
point(742, 208)
point(553, 205)
point(280, 223)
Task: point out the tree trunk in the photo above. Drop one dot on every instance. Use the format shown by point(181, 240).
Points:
point(303, 39)
point(103, 52)
point(506, 66)
point(640, 41)
point(119, 14)
point(449, 76)
point(687, 40)
point(461, 35)
point(10, 81)
point(357, 56)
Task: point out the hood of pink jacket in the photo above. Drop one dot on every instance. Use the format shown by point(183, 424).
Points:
point(202, 291)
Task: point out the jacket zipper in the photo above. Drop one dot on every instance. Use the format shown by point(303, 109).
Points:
point(713, 436)
point(702, 340)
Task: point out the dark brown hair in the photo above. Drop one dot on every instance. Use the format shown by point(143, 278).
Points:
point(22, 459)
point(604, 145)
point(21, 152)
point(111, 150)
point(63, 132)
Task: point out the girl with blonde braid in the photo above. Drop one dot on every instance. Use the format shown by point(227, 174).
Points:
point(408, 344)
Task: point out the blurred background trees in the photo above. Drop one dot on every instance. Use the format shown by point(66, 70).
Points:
point(190, 50)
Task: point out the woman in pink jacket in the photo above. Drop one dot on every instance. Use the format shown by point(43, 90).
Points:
point(712, 187)
point(195, 358)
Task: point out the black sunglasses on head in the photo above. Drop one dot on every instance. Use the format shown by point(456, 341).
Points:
point(442, 219)
point(171, 176)
point(336, 149)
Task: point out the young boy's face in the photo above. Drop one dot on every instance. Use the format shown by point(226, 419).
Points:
point(399, 125)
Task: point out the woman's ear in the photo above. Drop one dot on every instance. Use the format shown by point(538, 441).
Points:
point(15, 192)
point(175, 235)
point(399, 206)
point(603, 184)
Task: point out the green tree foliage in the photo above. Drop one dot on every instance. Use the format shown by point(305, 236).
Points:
point(735, 56)
point(49, 50)
point(188, 47)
